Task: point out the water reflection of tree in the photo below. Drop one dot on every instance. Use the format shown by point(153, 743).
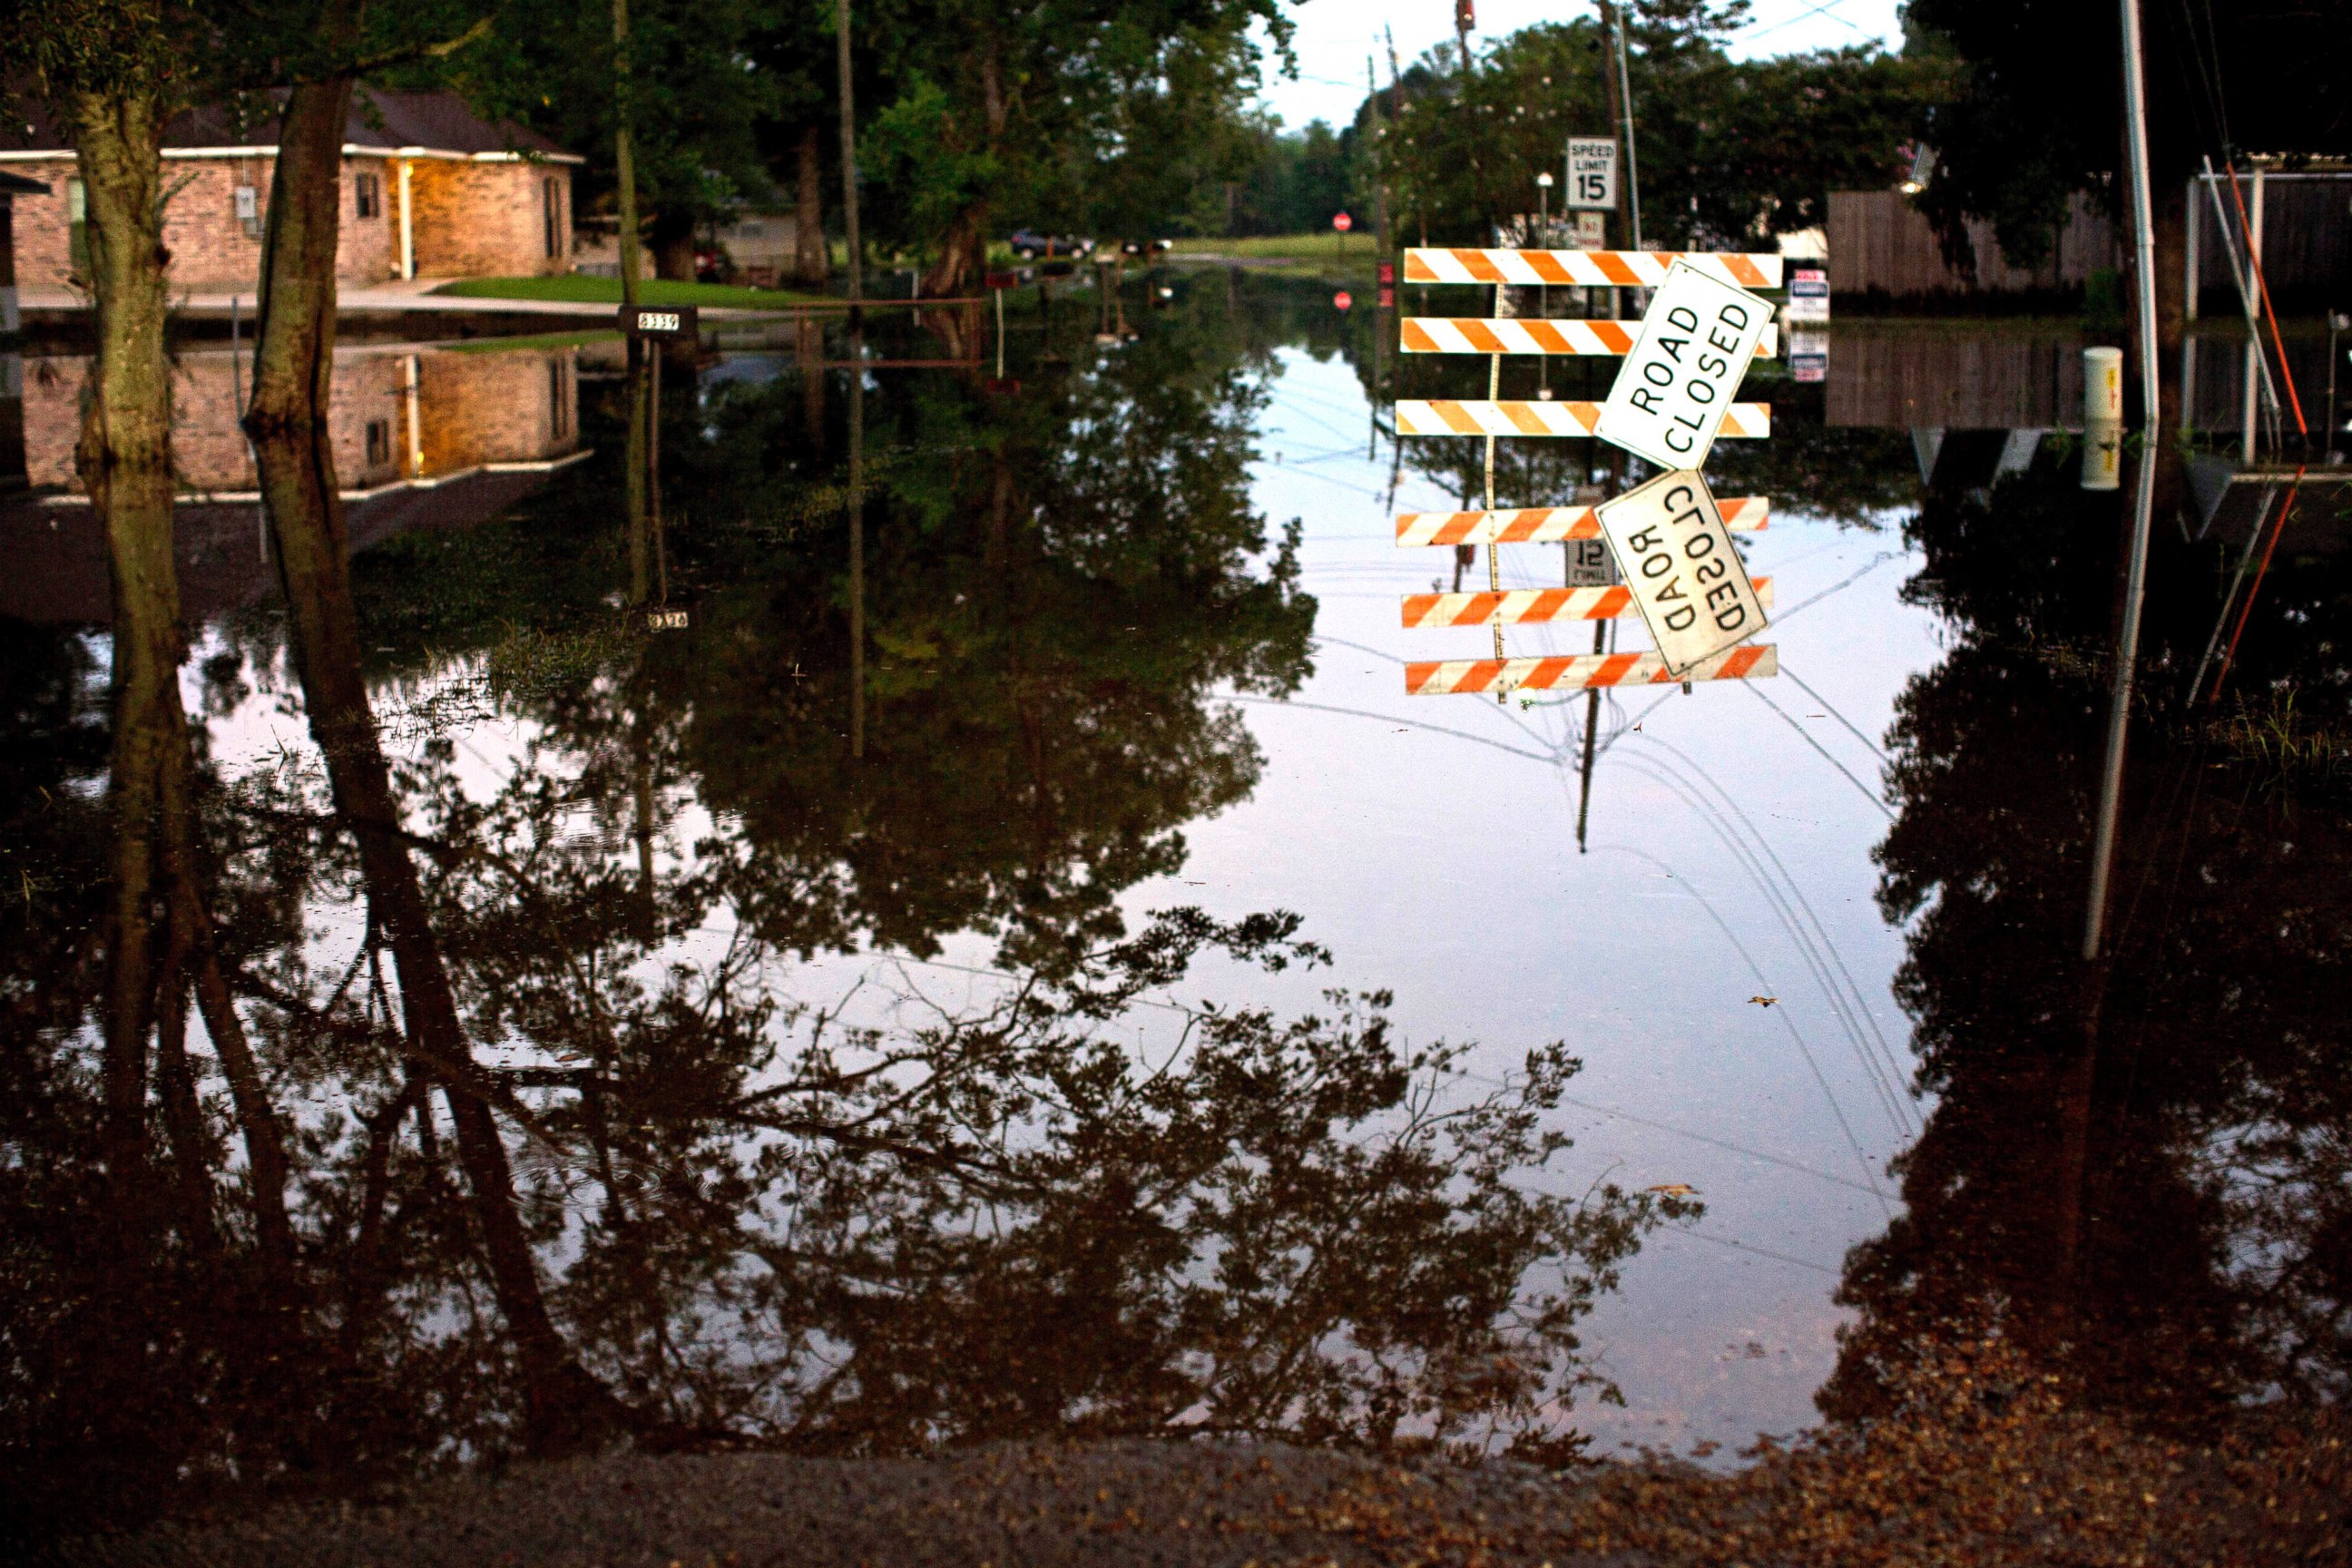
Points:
point(2144, 1162)
point(565, 1158)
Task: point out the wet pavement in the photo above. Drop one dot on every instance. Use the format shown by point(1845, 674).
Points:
point(1118, 1008)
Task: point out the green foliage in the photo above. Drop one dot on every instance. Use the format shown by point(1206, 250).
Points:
point(1297, 181)
point(578, 288)
point(696, 105)
point(1730, 150)
point(2035, 114)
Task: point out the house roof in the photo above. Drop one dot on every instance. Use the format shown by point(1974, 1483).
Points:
point(418, 125)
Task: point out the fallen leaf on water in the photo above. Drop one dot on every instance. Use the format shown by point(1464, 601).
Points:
point(1764, 1001)
point(1673, 1189)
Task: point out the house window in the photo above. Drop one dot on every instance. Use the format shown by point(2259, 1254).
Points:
point(379, 443)
point(77, 226)
point(551, 213)
point(559, 407)
point(367, 196)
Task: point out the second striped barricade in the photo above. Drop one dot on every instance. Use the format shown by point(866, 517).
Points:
point(1547, 524)
point(1578, 673)
point(1481, 417)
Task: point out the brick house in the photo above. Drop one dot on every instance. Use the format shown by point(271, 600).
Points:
point(430, 189)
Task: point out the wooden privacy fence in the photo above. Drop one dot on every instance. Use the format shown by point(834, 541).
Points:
point(1881, 244)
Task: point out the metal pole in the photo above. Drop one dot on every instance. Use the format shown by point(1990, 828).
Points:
point(1632, 165)
point(2103, 843)
point(2190, 260)
point(2254, 334)
point(857, 546)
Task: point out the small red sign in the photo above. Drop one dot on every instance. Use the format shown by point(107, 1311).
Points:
point(1388, 299)
point(1342, 222)
point(1002, 280)
point(1343, 299)
point(1388, 272)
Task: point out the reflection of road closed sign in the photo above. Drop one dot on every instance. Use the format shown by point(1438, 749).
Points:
point(1342, 222)
point(1678, 380)
point(1688, 581)
point(1591, 174)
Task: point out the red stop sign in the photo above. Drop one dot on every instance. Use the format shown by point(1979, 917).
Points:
point(1343, 223)
point(1343, 299)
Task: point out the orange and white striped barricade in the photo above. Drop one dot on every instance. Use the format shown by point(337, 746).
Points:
point(1529, 335)
point(1548, 524)
point(1579, 672)
point(1587, 269)
point(1465, 417)
point(1530, 607)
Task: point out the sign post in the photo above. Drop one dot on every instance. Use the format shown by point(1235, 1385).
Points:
point(1342, 223)
point(666, 322)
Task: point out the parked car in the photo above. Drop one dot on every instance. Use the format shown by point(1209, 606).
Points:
point(1148, 246)
point(1029, 245)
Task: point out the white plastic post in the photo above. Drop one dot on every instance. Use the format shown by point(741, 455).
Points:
point(2103, 418)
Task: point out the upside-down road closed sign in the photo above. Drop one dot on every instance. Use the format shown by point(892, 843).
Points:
point(1677, 558)
point(1678, 379)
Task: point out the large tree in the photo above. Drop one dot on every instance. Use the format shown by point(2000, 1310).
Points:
point(1069, 113)
point(2037, 113)
point(1730, 151)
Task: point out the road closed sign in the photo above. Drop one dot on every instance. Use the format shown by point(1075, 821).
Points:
point(1676, 557)
point(1678, 379)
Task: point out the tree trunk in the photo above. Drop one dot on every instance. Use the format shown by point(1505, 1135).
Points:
point(672, 243)
point(189, 910)
point(963, 255)
point(293, 363)
point(963, 250)
point(125, 460)
point(810, 264)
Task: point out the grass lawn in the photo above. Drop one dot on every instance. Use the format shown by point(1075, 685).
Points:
point(534, 340)
point(578, 288)
point(1355, 249)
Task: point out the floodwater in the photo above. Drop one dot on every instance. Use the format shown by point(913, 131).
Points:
point(1121, 1009)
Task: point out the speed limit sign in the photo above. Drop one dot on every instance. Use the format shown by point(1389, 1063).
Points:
point(1591, 174)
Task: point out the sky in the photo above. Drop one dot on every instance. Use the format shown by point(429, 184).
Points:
point(1334, 36)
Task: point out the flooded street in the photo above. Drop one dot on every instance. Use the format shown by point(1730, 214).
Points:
point(1043, 977)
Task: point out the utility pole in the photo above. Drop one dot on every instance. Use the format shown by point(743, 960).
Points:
point(1382, 242)
point(2103, 843)
point(636, 443)
point(1629, 200)
point(855, 496)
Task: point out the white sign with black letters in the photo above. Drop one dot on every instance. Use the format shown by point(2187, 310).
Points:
point(1591, 173)
point(1686, 366)
point(1687, 580)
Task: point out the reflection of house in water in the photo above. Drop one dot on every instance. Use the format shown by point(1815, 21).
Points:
point(400, 417)
point(422, 438)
